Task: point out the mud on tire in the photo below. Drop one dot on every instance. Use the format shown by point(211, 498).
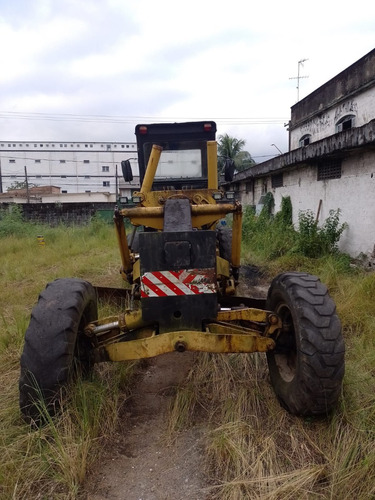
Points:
point(55, 345)
point(307, 366)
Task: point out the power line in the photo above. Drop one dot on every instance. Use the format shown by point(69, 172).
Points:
point(18, 115)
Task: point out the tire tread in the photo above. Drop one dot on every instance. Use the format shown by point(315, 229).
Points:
point(320, 347)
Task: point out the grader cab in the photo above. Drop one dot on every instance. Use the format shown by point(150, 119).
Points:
point(181, 262)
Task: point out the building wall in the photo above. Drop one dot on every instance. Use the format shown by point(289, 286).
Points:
point(74, 167)
point(361, 106)
point(350, 92)
point(353, 194)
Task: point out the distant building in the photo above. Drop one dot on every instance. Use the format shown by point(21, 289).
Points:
point(74, 167)
point(53, 194)
point(331, 161)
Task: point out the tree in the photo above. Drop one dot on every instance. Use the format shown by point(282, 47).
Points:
point(20, 185)
point(232, 148)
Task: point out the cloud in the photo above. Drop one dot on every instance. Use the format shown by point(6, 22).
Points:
point(165, 59)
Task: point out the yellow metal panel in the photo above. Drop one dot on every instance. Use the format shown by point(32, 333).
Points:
point(122, 243)
point(189, 341)
point(237, 237)
point(222, 267)
point(152, 166)
point(203, 214)
point(136, 270)
point(248, 314)
point(212, 164)
point(269, 319)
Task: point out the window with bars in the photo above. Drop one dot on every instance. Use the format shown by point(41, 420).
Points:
point(329, 170)
point(277, 180)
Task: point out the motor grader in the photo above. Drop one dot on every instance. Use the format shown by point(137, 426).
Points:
point(181, 262)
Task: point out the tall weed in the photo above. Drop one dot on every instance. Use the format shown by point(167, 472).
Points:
point(11, 221)
point(254, 448)
point(314, 241)
point(52, 462)
point(270, 237)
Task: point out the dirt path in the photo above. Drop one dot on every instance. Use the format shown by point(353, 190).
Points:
point(140, 463)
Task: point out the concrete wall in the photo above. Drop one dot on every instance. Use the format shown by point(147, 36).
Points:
point(353, 80)
point(353, 194)
point(351, 92)
point(66, 213)
point(323, 125)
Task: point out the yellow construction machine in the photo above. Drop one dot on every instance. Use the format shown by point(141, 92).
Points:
point(181, 261)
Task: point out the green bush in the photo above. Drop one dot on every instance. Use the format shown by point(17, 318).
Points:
point(314, 241)
point(285, 216)
point(11, 221)
point(270, 237)
point(265, 235)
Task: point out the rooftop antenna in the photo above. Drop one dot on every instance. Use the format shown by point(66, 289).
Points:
point(279, 150)
point(298, 77)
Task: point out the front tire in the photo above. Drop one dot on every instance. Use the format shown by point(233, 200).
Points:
point(55, 345)
point(307, 366)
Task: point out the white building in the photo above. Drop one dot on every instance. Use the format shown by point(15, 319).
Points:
point(344, 102)
point(331, 161)
point(79, 167)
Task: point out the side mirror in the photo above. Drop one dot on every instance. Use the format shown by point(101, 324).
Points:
point(126, 170)
point(229, 170)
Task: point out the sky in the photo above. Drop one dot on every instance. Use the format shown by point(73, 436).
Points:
point(90, 70)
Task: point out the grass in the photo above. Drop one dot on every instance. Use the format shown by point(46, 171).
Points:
point(254, 449)
point(52, 462)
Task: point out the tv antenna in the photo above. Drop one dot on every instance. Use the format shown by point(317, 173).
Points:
point(298, 77)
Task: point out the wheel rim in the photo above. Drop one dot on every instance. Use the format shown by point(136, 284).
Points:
point(286, 349)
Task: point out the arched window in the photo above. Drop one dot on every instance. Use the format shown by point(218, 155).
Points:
point(305, 140)
point(345, 123)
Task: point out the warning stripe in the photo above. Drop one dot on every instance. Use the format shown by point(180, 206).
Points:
point(176, 283)
point(172, 282)
point(153, 290)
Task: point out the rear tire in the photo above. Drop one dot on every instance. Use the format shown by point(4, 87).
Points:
point(307, 366)
point(55, 346)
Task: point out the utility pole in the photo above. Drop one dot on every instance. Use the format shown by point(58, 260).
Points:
point(116, 185)
point(298, 77)
point(1, 179)
point(27, 186)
